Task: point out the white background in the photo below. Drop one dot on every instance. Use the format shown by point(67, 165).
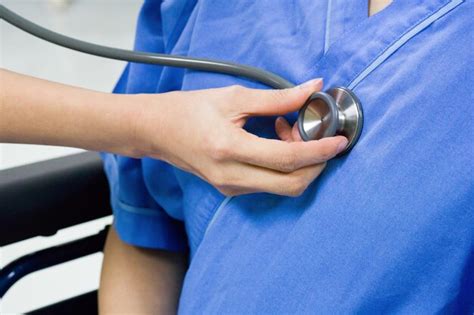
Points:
point(110, 23)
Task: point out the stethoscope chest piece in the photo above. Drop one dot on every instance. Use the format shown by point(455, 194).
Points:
point(335, 112)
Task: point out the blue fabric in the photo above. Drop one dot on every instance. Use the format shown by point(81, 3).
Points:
point(388, 228)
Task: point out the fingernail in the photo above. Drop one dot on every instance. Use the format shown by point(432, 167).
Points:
point(310, 82)
point(342, 145)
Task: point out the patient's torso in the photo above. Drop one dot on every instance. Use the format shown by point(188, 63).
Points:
point(388, 227)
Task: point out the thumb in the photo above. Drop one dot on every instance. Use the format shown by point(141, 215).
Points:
point(280, 102)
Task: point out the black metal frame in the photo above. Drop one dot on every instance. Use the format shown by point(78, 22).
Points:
point(40, 199)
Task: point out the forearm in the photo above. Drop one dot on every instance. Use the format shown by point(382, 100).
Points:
point(42, 112)
point(139, 281)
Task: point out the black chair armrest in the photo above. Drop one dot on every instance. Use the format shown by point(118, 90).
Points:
point(41, 198)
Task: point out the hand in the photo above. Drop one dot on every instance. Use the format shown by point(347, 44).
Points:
point(201, 132)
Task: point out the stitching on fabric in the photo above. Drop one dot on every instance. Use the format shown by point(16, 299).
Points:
point(217, 209)
point(357, 80)
point(137, 210)
point(328, 25)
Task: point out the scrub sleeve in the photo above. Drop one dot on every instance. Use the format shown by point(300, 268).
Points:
point(138, 218)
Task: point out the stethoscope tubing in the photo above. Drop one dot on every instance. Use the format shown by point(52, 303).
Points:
point(201, 64)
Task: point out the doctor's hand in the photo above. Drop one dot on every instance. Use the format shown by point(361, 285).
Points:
point(202, 132)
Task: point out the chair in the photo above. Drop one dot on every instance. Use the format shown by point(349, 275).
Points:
point(41, 198)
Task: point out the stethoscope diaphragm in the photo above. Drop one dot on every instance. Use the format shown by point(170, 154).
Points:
point(335, 112)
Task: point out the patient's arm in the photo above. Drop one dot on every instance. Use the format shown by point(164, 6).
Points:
point(139, 281)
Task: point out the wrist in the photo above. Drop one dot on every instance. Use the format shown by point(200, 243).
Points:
point(120, 123)
point(143, 118)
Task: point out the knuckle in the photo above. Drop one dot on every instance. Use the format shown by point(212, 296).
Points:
point(236, 89)
point(288, 163)
point(223, 183)
point(297, 187)
point(220, 150)
point(217, 178)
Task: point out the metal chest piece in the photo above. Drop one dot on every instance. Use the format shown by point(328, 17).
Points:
point(335, 112)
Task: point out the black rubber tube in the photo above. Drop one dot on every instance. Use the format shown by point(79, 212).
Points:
point(252, 73)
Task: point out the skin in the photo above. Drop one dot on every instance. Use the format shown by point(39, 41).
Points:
point(198, 131)
point(376, 6)
point(126, 289)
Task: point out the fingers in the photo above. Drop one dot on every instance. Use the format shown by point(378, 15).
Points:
point(283, 129)
point(278, 102)
point(286, 156)
point(285, 132)
point(296, 133)
point(252, 179)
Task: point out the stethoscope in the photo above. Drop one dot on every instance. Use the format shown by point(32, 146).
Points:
point(325, 114)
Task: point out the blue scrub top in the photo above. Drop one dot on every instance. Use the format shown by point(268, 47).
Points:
point(388, 228)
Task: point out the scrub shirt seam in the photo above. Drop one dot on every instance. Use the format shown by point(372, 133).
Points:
point(328, 26)
point(218, 210)
point(367, 70)
point(124, 206)
point(137, 210)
